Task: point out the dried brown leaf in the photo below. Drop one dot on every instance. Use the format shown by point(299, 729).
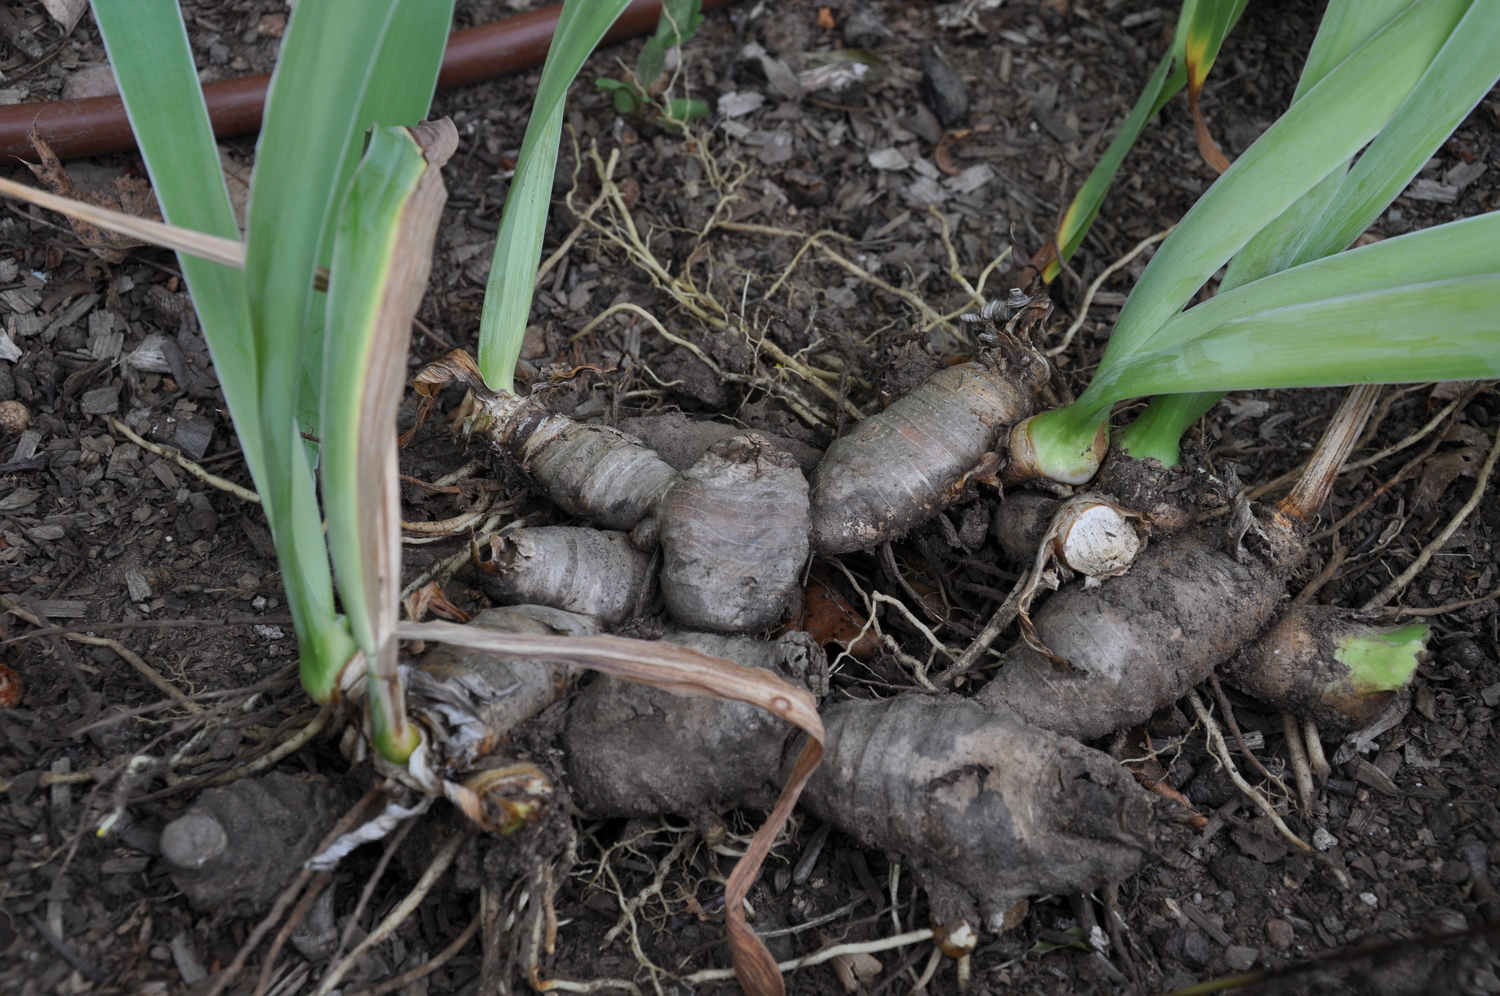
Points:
point(456, 367)
point(431, 598)
point(379, 511)
point(1207, 147)
point(1445, 391)
point(130, 195)
point(1441, 471)
point(829, 618)
point(11, 688)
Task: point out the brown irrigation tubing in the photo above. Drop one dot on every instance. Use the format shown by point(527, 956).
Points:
point(96, 125)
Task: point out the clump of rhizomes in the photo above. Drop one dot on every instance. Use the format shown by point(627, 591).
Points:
point(987, 806)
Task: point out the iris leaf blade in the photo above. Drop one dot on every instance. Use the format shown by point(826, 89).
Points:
point(299, 157)
point(1335, 118)
point(1440, 330)
point(153, 63)
point(518, 244)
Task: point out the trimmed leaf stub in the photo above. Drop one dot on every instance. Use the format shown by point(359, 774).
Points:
point(1333, 670)
point(1385, 661)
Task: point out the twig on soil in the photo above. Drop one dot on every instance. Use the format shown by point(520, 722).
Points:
point(432, 336)
point(402, 910)
point(444, 528)
point(1395, 587)
point(1297, 755)
point(1120, 933)
point(1221, 753)
point(431, 965)
point(253, 765)
point(449, 483)
point(282, 677)
point(842, 911)
point(1313, 741)
point(290, 746)
point(1443, 610)
point(1083, 912)
point(445, 569)
point(1239, 738)
point(1003, 616)
point(1370, 461)
point(289, 895)
point(1109, 271)
point(369, 889)
point(1384, 951)
point(268, 967)
point(591, 986)
point(1432, 423)
point(1407, 470)
point(146, 670)
point(169, 453)
point(1340, 552)
point(91, 972)
point(55, 630)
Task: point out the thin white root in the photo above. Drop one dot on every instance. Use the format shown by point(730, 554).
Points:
point(394, 918)
point(627, 915)
point(928, 971)
point(901, 607)
point(1321, 769)
point(1109, 271)
point(192, 468)
point(135, 660)
point(583, 218)
point(819, 957)
point(1220, 751)
point(1393, 589)
point(1298, 757)
point(591, 986)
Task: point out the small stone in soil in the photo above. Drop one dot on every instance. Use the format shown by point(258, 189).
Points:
point(943, 89)
point(140, 588)
point(1190, 947)
point(864, 28)
point(1239, 957)
point(1279, 934)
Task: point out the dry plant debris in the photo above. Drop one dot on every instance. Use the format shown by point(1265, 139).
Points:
point(685, 280)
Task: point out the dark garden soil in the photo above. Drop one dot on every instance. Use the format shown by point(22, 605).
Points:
point(101, 536)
